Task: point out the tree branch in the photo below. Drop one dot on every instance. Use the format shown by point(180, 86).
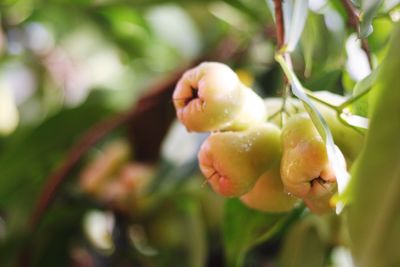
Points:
point(354, 22)
point(280, 28)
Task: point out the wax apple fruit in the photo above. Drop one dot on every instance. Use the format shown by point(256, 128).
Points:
point(252, 111)
point(104, 165)
point(268, 194)
point(210, 97)
point(305, 169)
point(233, 161)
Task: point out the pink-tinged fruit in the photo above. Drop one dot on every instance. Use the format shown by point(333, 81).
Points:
point(305, 169)
point(210, 97)
point(233, 161)
point(268, 194)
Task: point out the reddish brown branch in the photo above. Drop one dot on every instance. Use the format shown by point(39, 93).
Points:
point(354, 21)
point(365, 47)
point(353, 17)
point(280, 28)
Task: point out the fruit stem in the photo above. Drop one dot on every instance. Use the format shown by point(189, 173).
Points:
point(339, 109)
point(316, 98)
point(353, 99)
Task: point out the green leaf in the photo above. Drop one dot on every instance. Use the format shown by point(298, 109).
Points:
point(326, 81)
point(303, 245)
point(369, 9)
point(197, 245)
point(31, 154)
point(244, 228)
point(361, 88)
point(298, 20)
point(125, 26)
point(374, 220)
point(322, 47)
point(365, 84)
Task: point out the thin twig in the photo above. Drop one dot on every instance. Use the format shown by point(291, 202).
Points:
point(311, 95)
point(280, 38)
point(280, 28)
point(352, 14)
point(354, 21)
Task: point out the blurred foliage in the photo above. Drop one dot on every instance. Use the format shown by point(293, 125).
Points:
point(67, 64)
point(375, 205)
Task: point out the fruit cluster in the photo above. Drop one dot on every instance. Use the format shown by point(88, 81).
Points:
point(114, 180)
point(248, 156)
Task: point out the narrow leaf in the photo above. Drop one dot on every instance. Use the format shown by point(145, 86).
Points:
point(365, 84)
point(369, 9)
point(303, 245)
point(374, 220)
point(355, 120)
point(299, 17)
point(244, 228)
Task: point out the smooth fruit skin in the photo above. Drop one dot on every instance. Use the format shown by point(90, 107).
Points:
point(252, 111)
point(97, 172)
point(233, 161)
point(305, 168)
point(210, 97)
point(347, 139)
point(268, 194)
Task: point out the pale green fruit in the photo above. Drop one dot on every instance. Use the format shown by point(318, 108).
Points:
point(233, 161)
point(210, 97)
point(251, 113)
point(268, 194)
point(305, 169)
point(347, 139)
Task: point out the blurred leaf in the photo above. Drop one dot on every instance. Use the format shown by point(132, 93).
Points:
point(337, 5)
point(244, 228)
point(354, 120)
point(197, 245)
point(368, 8)
point(327, 81)
point(298, 20)
point(253, 9)
point(61, 223)
point(125, 26)
point(303, 245)
point(379, 38)
point(322, 48)
point(170, 176)
point(31, 154)
point(308, 43)
point(347, 82)
point(361, 88)
point(374, 221)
